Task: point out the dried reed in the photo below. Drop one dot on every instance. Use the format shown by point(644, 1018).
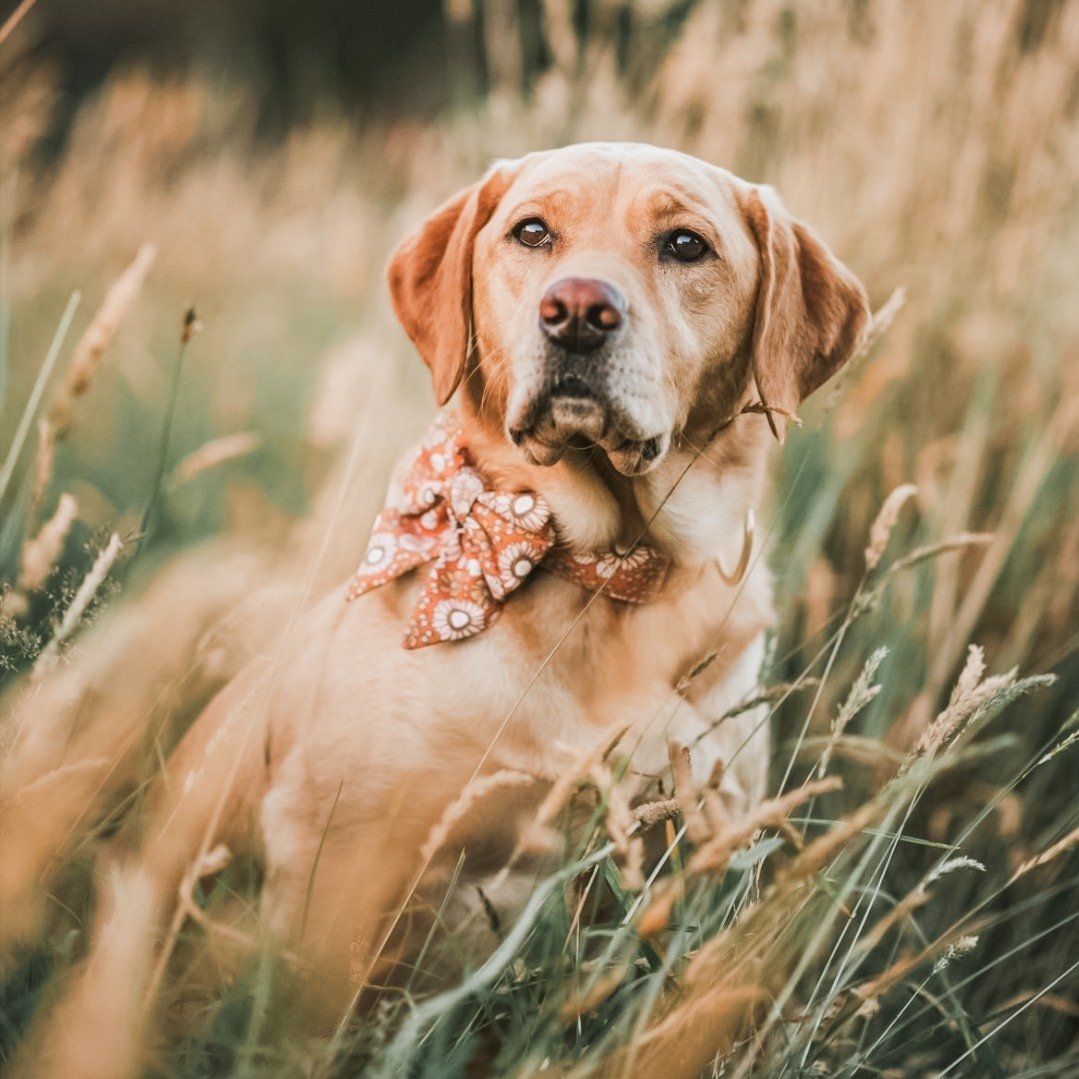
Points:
point(97, 337)
point(950, 171)
point(78, 606)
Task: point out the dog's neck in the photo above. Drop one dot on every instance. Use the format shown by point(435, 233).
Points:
point(692, 506)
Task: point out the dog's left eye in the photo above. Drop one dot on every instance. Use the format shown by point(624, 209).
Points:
point(532, 233)
point(685, 246)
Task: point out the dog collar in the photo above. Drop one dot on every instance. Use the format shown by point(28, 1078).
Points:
point(483, 545)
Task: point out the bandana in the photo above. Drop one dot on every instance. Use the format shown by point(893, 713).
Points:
point(483, 545)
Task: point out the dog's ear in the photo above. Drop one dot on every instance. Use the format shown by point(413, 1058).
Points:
point(812, 312)
point(430, 278)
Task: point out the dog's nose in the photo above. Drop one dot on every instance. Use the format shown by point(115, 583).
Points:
point(580, 313)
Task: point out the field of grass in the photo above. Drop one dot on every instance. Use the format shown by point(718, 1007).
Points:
point(202, 391)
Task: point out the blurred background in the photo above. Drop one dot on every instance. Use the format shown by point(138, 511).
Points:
point(258, 160)
point(272, 153)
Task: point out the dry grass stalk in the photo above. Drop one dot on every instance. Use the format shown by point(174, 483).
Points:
point(588, 1001)
point(622, 827)
point(960, 626)
point(970, 692)
point(98, 336)
point(37, 807)
point(1060, 747)
point(880, 323)
point(886, 520)
point(560, 34)
point(212, 862)
point(65, 772)
point(83, 598)
point(189, 326)
point(825, 847)
point(958, 542)
point(956, 125)
point(868, 753)
point(715, 955)
point(861, 694)
point(714, 810)
point(215, 453)
point(657, 915)
point(10, 460)
point(683, 1043)
point(39, 554)
point(1046, 1000)
point(950, 865)
point(954, 950)
point(473, 793)
point(943, 949)
point(538, 835)
point(1058, 848)
point(654, 812)
point(883, 318)
point(72, 718)
point(907, 905)
point(13, 20)
point(687, 794)
point(880, 985)
point(208, 864)
point(96, 1031)
point(714, 855)
point(43, 466)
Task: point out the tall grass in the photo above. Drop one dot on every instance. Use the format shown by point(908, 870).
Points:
point(919, 918)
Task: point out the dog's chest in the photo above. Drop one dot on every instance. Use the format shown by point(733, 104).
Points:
point(578, 667)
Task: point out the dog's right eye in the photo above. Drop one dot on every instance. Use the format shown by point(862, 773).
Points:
point(532, 233)
point(686, 246)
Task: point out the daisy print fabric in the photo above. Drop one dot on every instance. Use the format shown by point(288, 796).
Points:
point(482, 545)
point(632, 576)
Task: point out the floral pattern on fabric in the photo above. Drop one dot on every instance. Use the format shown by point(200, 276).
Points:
point(483, 545)
point(630, 576)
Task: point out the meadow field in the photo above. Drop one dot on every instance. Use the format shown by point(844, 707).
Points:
point(202, 393)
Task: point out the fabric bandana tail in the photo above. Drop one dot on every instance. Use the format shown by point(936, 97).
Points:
point(483, 544)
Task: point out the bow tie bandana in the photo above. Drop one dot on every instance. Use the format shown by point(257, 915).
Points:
point(483, 544)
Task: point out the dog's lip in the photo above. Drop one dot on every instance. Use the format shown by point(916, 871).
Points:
point(649, 448)
point(548, 432)
point(554, 417)
point(584, 416)
point(637, 456)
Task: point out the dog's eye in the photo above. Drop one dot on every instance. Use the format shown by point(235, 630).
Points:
point(685, 246)
point(532, 233)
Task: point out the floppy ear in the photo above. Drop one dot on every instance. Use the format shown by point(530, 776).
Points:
point(812, 312)
point(430, 278)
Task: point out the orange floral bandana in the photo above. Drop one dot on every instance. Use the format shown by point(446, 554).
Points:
point(483, 543)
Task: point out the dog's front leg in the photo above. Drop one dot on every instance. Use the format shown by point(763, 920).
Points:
point(663, 718)
point(726, 746)
point(735, 739)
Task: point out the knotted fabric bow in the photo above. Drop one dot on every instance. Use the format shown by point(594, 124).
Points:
point(484, 544)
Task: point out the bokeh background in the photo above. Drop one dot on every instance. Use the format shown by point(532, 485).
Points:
point(271, 154)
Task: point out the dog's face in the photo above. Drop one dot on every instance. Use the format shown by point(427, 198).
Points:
point(613, 280)
point(615, 291)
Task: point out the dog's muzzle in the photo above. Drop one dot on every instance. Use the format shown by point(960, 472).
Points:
point(577, 404)
point(578, 409)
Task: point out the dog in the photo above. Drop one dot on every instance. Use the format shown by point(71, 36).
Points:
point(615, 334)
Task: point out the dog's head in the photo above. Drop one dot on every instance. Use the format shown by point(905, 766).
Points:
point(612, 293)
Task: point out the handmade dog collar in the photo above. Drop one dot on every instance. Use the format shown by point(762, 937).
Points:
point(484, 544)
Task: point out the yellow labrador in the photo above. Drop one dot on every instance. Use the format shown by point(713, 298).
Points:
point(600, 316)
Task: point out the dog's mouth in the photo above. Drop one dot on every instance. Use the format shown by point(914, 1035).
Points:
point(572, 413)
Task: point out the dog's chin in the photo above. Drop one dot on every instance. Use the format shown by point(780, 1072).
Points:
point(636, 457)
point(568, 423)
